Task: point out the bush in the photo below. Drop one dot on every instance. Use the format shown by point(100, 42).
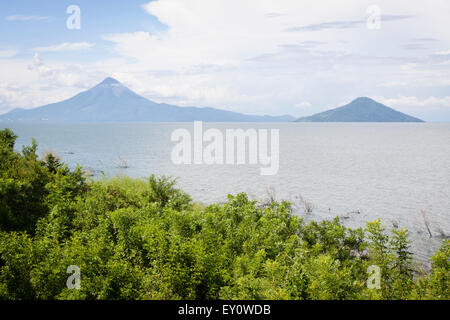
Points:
point(137, 239)
point(30, 187)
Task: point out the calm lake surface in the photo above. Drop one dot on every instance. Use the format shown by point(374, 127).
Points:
point(359, 171)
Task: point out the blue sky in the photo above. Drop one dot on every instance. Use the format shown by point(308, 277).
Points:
point(253, 56)
point(26, 25)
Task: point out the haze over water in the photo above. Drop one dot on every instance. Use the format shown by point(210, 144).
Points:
point(359, 171)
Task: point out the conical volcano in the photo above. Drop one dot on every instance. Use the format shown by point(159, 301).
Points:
point(111, 101)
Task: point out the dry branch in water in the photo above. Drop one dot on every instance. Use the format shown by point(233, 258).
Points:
point(425, 220)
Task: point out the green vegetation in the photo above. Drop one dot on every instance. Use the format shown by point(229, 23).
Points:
point(137, 239)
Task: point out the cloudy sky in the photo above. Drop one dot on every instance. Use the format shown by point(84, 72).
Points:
point(253, 56)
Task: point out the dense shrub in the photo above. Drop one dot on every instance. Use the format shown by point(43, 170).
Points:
point(29, 187)
point(146, 239)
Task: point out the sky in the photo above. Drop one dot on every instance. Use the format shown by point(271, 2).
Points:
point(252, 56)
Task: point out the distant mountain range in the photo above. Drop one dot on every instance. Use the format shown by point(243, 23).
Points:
point(111, 101)
point(361, 110)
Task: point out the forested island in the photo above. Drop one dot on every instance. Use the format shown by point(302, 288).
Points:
point(146, 239)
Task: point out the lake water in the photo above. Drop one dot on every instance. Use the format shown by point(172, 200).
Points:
point(359, 171)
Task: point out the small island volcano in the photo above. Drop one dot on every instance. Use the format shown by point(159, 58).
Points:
point(361, 110)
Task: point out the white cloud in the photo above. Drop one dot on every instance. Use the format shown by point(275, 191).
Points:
point(21, 17)
point(7, 53)
point(303, 104)
point(443, 53)
point(65, 75)
point(36, 84)
point(411, 102)
point(392, 84)
point(221, 32)
point(430, 108)
point(65, 46)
